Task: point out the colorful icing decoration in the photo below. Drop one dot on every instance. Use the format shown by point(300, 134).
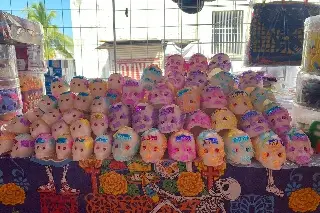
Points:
point(48, 102)
point(119, 116)
point(253, 123)
point(176, 79)
point(115, 82)
point(98, 87)
point(59, 86)
point(174, 63)
point(100, 105)
point(72, 115)
point(64, 147)
point(182, 146)
point(103, 147)
point(99, 123)
point(132, 92)
point(239, 102)
point(82, 148)
point(45, 146)
point(51, 116)
point(314, 135)
point(18, 125)
point(162, 94)
point(113, 96)
point(259, 96)
point(151, 76)
point(223, 119)
point(10, 100)
point(196, 78)
point(34, 114)
point(250, 79)
point(171, 119)
point(66, 101)
point(198, 62)
point(197, 122)
point(6, 142)
point(59, 128)
point(220, 61)
point(144, 117)
point(83, 102)
point(188, 99)
point(79, 84)
point(212, 97)
point(23, 146)
point(39, 127)
point(225, 80)
point(80, 128)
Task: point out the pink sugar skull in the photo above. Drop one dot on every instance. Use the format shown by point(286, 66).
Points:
point(198, 62)
point(39, 127)
point(51, 116)
point(197, 122)
point(82, 148)
point(98, 87)
point(48, 102)
point(66, 101)
point(64, 147)
point(45, 146)
point(176, 79)
point(259, 96)
point(298, 147)
point(239, 102)
point(223, 119)
point(250, 79)
point(238, 146)
point(103, 147)
point(132, 92)
point(6, 142)
point(188, 99)
point(83, 102)
point(269, 150)
point(162, 94)
point(210, 147)
point(18, 125)
point(126, 144)
point(254, 123)
point(196, 78)
point(220, 61)
point(119, 116)
point(23, 146)
point(153, 146)
point(212, 97)
point(174, 63)
point(225, 80)
point(72, 115)
point(80, 128)
point(34, 114)
point(171, 119)
point(99, 123)
point(144, 117)
point(113, 96)
point(79, 84)
point(151, 76)
point(59, 86)
point(99, 105)
point(182, 146)
point(115, 82)
point(59, 128)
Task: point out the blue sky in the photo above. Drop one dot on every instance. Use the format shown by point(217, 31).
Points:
point(62, 8)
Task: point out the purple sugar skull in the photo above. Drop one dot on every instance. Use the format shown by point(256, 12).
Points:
point(83, 102)
point(253, 123)
point(23, 146)
point(18, 125)
point(8, 102)
point(196, 78)
point(197, 122)
point(250, 79)
point(182, 146)
point(119, 116)
point(66, 101)
point(79, 84)
point(99, 123)
point(174, 63)
point(72, 115)
point(177, 79)
point(212, 97)
point(59, 128)
point(198, 62)
point(161, 95)
point(34, 114)
point(144, 117)
point(171, 119)
point(100, 105)
point(39, 127)
point(102, 147)
point(132, 92)
point(45, 146)
point(64, 147)
point(225, 80)
point(221, 61)
point(48, 102)
point(51, 116)
point(151, 76)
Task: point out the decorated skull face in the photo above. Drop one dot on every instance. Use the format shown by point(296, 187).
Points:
point(72, 115)
point(229, 189)
point(23, 146)
point(153, 146)
point(51, 116)
point(250, 79)
point(151, 76)
point(182, 146)
point(126, 144)
point(115, 82)
point(239, 102)
point(39, 127)
point(59, 128)
point(100, 105)
point(298, 147)
point(174, 63)
point(171, 119)
point(45, 146)
point(132, 92)
point(80, 128)
point(59, 86)
point(83, 102)
point(34, 114)
point(188, 99)
point(144, 117)
point(99, 123)
point(197, 122)
point(162, 94)
point(196, 78)
point(220, 61)
point(18, 125)
point(212, 97)
point(102, 147)
point(66, 101)
point(82, 148)
point(269, 150)
point(259, 96)
point(48, 102)
point(64, 147)
point(238, 146)
point(113, 96)
point(210, 148)
point(198, 62)
point(225, 80)
point(6, 142)
point(79, 84)
point(176, 79)
point(223, 119)
point(254, 123)
point(119, 116)
point(98, 87)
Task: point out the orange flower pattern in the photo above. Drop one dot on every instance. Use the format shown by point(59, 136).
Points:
point(190, 183)
point(12, 194)
point(113, 183)
point(304, 200)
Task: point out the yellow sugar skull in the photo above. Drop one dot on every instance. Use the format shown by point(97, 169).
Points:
point(223, 119)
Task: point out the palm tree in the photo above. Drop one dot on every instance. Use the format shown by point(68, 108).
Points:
point(54, 41)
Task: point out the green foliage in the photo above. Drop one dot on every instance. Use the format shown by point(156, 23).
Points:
point(133, 190)
point(170, 186)
point(182, 167)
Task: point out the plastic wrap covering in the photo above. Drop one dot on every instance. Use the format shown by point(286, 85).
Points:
point(304, 116)
point(308, 90)
point(8, 62)
point(30, 58)
point(17, 30)
point(10, 96)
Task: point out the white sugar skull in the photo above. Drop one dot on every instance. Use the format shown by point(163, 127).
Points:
point(59, 86)
point(59, 128)
point(115, 82)
point(132, 92)
point(48, 102)
point(64, 147)
point(220, 61)
point(225, 80)
point(80, 128)
point(6, 142)
point(171, 119)
point(72, 115)
point(229, 189)
point(196, 78)
point(188, 99)
point(100, 105)
point(83, 102)
point(250, 79)
point(82, 148)
point(34, 114)
point(223, 119)
point(98, 87)
point(144, 117)
point(119, 116)
point(174, 63)
point(162, 94)
point(212, 97)
point(79, 84)
point(39, 127)
point(99, 123)
point(151, 75)
point(239, 102)
point(103, 147)
point(18, 125)
point(182, 146)
point(198, 62)
point(197, 122)
point(126, 144)
point(259, 96)
point(113, 96)
point(176, 79)
point(253, 123)
point(66, 101)
point(23, 146)
point(51, 116)
point(45, 146)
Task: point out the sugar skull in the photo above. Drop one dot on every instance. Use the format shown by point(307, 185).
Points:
point(82, 148)
point(64, 147)
point(174, 63)
point(171, 119)
point(59, 86)
point(103, 147)
point(39, 127)
point(239, 102)
point(51, 116)
point(119, 116)
point(98, 87)
point(238, 146)
point(18, 125)
point(72, 115)
point(80, 128)
point(210, 148)
point(198, 62)
point(113, 96)
point(298, 147)
point(225, 80)
point(115, 82)
point(79, 84)
point(314, 135)
point(176, 79)
point(132, 92)
point(250, 79)
point(259, 96)
point(162, 94)
point(151, 76)
point(212, 97)
point(220, 61)
point(100, 105)
point(83, 102)
point(34, 114)
point(99, 123)
point(153, 146)
point(45, 146)
point(144, 117)
point(182, 146)
point(60, 128)
point(188, 99)
point(126, 144)
point(197, 122)
point(6, 142)
point(196, 78)
point(253, 123)
point(269, 150)
point(23, 146)
point(223, 119)
point(66, 101)
point(48, 102)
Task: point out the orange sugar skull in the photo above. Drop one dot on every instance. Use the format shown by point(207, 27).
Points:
point(239, 102)
point(98, 87)
point(188, 99)
point(223, 119)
